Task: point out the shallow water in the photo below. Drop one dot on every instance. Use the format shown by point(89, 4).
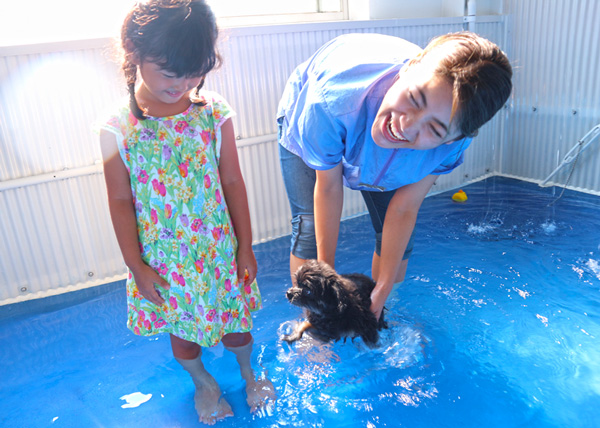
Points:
point(496, 325)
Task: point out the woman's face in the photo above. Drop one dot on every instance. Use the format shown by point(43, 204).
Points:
point(416, 110)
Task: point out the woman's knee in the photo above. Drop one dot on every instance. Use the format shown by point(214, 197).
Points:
point(303, 242)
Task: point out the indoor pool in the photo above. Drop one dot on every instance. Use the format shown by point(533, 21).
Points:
point(496, 325)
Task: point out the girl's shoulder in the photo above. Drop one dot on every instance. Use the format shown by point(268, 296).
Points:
point(213, 104)
point(117, 118)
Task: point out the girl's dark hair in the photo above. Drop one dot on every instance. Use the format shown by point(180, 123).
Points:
point(178, 35)
point(480, 75)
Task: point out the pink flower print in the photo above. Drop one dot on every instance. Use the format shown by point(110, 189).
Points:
point(159, 187)
point(218, 196)
point(199, 265)
point(252, 303)
point(147, 325)
point(196, 224)
point(188, 298)
point(153, 316)
point(143, 176)
point(207, 181)
point(173, 302)
point(142, 315)
point(178, 278)
point(205, 136)
point(228, 284)
point(162, 269)
point(160, 323)
point(217, 233)
point(180, 126)
point(245, 322)
point(136, 330)
point(210, 316)
point(168, 211)
point(183, 169)
point(225, 317)
point(132, 119)
point(153, 216)
point(247, 289)
point(217, 273)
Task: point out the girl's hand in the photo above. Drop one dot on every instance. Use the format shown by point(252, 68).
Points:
point(147, 281)
point(246, 266)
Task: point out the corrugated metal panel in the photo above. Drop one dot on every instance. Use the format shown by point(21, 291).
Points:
point(555, 47)
point(56, 236)
point(57, 229)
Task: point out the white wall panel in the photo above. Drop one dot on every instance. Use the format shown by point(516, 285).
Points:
point(555, 48)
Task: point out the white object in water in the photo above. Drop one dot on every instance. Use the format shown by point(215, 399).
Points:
point(135, 399)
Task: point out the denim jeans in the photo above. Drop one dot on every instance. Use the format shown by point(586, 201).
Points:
point(299, 182)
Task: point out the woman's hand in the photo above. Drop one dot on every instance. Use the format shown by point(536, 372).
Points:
point(147, 281)
point(378, 297)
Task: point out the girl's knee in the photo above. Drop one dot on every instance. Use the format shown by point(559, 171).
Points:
point(234, 340)
point(184, 348)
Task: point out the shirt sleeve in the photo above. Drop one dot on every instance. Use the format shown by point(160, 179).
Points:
point(221, 111)
point(318, 136)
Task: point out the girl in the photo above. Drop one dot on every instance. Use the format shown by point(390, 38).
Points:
point(178, 201)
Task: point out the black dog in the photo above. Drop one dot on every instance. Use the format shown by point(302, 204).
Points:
point(337, 305)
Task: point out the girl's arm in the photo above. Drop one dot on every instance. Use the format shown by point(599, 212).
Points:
point(400, 220)
point(120, 204)
point(235, 195)
point(329, 199)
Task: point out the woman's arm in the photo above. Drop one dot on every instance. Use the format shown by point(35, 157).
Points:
point(120, 204)
point(235, 195)
point(329, 200)
point(400, 220)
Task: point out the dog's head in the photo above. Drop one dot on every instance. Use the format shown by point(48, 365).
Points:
point(318, 288)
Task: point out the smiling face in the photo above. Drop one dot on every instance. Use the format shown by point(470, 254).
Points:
point(416, 112)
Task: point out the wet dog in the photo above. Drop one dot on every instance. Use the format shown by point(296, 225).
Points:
point(337, 306)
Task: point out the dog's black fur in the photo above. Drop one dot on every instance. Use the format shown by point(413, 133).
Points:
point(337, 306)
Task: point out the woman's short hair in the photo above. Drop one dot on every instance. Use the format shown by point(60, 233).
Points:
point(480, 75)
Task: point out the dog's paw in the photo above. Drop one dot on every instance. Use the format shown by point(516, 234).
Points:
point(298, 330)
point(289, 338)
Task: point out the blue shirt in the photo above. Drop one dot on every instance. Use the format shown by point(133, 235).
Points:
point(330, 102)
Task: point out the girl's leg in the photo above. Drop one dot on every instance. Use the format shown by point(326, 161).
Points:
point(209, 404)
point(259, 391)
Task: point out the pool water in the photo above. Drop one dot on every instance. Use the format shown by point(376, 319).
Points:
point(496, 325)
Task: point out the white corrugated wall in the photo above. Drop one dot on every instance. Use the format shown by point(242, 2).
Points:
point(55, 226)
point(555, 48)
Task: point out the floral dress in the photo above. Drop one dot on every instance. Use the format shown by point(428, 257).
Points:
point(184, 227)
